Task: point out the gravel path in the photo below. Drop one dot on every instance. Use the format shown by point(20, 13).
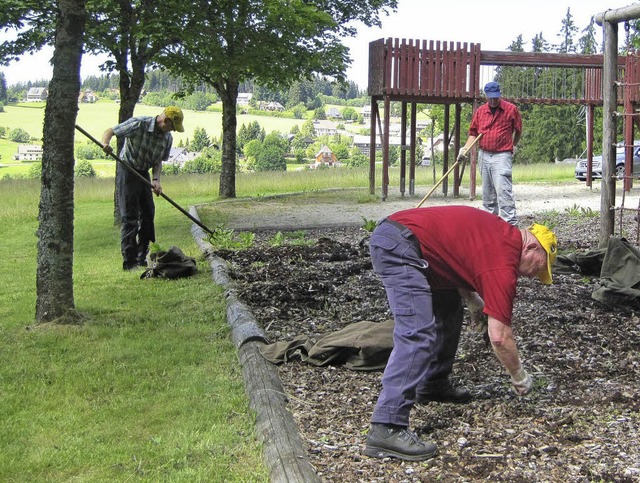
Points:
point(530, 198)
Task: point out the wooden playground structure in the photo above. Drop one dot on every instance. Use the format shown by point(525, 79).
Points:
point(452, 73)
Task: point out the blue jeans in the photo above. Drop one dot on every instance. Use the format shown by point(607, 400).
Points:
point(427, 324)
point(497, 185)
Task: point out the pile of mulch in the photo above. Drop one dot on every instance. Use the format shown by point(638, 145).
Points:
point(580, 424)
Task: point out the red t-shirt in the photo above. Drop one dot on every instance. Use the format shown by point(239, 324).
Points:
point(498, 128)
point(469, 248)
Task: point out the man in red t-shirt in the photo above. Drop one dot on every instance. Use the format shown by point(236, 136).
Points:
point(500, 123)
point(426, 258)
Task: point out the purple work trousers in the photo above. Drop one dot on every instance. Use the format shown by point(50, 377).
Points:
point(427, 324)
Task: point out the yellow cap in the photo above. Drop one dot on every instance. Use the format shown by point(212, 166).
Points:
point(549, 242)
point(175, 114)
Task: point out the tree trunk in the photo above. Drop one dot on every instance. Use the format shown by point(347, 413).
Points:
point(54, 277)
point(229, 96)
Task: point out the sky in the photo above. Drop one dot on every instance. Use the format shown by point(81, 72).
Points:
point(494, 24)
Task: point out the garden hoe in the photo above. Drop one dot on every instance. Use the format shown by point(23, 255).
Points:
point(148, 183)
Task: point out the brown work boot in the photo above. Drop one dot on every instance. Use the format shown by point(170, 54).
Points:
point(392, 441)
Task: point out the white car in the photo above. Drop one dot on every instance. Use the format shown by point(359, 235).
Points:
point(596, 167)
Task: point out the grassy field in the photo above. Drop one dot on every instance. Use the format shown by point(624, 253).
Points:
point(95, 118)
point(148, 388)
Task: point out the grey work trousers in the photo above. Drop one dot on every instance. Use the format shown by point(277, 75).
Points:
point(497, 185)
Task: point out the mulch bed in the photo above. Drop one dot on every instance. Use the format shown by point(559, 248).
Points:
point(580, 424)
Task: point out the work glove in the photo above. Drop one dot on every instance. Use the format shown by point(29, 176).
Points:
point(462, 155)
point(521, 381)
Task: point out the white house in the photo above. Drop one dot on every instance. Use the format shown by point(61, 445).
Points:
point(323, 128)
point(28, 152)
point(87, 96)
point(244, 98)
point(37, 94)
point(179, 156)
point(364, 142)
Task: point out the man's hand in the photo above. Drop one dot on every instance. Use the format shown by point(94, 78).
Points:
point(107, 149)
point(521, 381)
point(462, 155)
point(156, 187)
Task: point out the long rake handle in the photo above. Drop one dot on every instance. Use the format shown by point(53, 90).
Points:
point(145, 181)
point(447, 173)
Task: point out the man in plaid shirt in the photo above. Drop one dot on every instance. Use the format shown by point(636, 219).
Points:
point(147, 143)
point(500, 123)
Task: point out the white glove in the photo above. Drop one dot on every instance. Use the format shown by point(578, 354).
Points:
point(521, 381)
point(462, 155)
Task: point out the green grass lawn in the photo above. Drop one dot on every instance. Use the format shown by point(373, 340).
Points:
point(148, 388)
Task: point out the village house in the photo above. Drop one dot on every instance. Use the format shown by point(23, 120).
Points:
point(272, 106)
point(179, 156)
point(364, 142)
point(325, 157)
point(28, 152)
point(87, 96)
point(334, 113)
point(322, 128)
point(244, 98)
point(37, 94)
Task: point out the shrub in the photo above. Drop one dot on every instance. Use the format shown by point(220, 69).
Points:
point(84, 169)
point(35, 171)
point(89, 151)
point(170, 169)
point(19, 135)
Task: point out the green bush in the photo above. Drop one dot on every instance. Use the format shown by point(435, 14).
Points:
point(35, 171)
point(84, 169)
point(170, 169)
point(19, 135)
point(89, 151)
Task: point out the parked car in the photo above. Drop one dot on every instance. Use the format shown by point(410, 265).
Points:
point(596, 168)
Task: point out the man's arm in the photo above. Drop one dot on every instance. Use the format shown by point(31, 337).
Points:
point(155, 178)
point(106, 139)
point(516, 137)
point(505, 348)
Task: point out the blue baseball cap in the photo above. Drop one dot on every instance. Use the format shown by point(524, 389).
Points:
point(492, 90)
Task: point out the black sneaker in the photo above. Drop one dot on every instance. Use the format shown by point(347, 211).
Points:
point(388, 440)
point(446, 393)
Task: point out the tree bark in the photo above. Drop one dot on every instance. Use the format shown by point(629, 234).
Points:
point(229, 96)
point(54, 277)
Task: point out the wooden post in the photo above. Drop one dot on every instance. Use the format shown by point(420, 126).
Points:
point(414, 137)
point(372, 147)
point(385, 147)
point(610, 102)
point(457, 174)
point(403, 148)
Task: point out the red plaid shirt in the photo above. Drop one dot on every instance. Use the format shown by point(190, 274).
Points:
point(498, 128)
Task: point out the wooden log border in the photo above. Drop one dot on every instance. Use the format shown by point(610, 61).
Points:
point(276, 429)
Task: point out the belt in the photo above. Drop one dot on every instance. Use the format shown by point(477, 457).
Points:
point(406, 232)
